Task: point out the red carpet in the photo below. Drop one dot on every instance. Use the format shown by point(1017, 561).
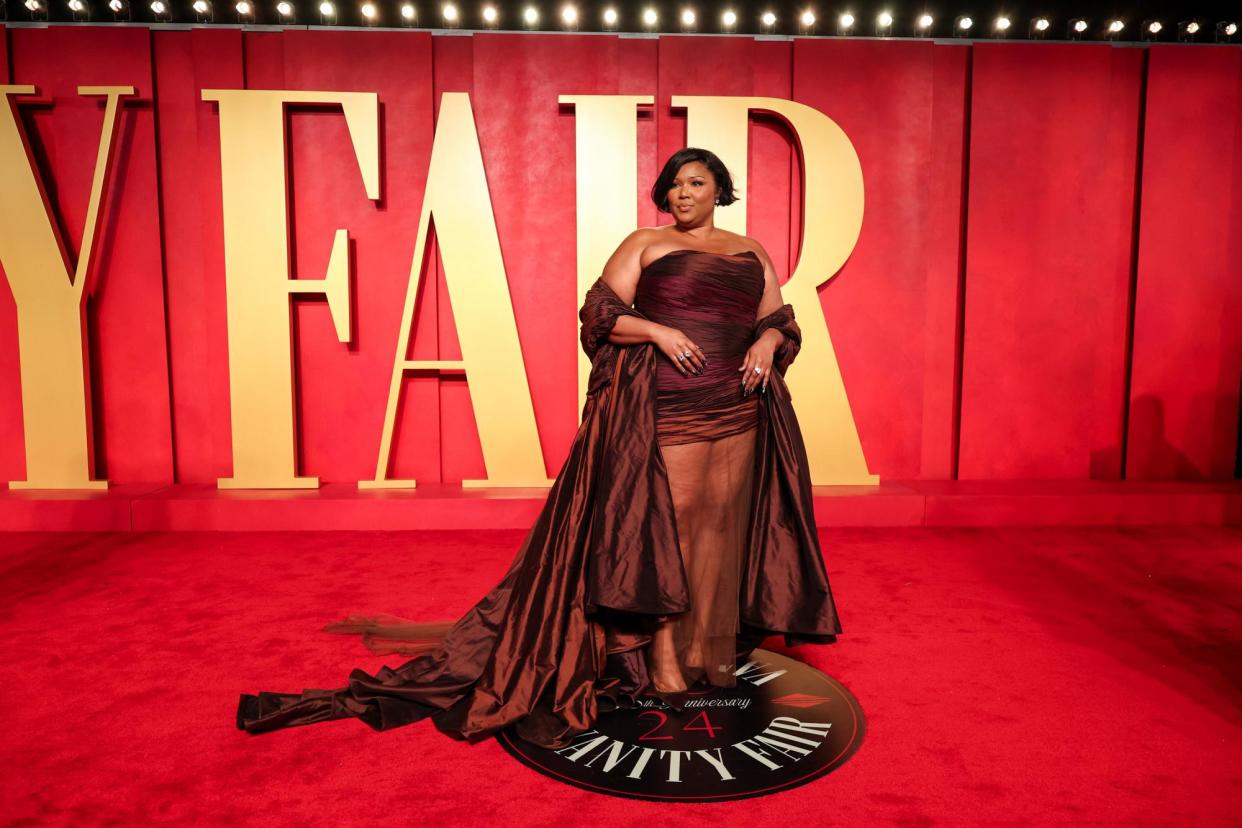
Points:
point(1013, 676)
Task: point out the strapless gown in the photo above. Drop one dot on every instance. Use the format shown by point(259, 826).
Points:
point(681, 498)
point(706, 431)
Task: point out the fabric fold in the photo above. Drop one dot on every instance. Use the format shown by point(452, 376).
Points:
point(561, 634)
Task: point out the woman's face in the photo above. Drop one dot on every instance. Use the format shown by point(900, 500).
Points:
point(692, 198)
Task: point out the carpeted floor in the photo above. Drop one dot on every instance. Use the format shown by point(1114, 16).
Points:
point(1009, 677)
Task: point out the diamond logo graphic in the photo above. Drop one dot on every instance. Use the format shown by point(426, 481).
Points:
point(801, 700)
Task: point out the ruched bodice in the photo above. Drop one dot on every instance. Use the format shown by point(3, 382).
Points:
point(713, 299)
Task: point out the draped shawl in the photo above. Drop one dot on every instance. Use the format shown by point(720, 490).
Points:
point(554, 640)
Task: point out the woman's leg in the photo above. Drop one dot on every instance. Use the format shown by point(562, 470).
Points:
point(666, 675)
point(685, 465)
point(717, 551)
point(711, 483)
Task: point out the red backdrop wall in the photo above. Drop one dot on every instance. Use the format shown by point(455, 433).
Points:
point(1047, 283)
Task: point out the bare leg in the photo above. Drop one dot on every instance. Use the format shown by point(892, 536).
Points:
point(711, 486)
point(665, 674)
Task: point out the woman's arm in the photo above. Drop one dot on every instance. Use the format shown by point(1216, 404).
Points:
point(762, 352)
point(621, 273)
point(771, 299)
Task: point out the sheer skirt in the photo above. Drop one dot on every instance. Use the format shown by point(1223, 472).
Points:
point(711, 483)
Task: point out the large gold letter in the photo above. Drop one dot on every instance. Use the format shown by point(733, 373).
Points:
point(256, 268)
point(50, 320)
point(456, 196)
point(606, 135)
point(832, 188)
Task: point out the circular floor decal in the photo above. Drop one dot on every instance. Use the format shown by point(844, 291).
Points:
point(784, 724)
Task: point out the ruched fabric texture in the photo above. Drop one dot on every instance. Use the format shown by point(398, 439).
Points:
point(712, 298)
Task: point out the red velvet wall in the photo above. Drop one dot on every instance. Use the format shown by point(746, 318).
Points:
point(189, 135)
point(885, 96)
point(1053, 136)
point(1046, 284)
point(1183, 414)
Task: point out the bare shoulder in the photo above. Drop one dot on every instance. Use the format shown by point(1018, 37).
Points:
point(624, 266)
point(632, 247)
point(636, 241)
point(650, 235)
point(654, 242)
point(753, 245)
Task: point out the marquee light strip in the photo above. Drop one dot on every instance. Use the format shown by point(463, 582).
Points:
point(568, 17)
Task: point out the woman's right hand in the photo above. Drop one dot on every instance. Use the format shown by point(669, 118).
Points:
point(675, 346)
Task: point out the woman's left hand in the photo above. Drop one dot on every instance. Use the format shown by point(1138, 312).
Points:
point(760, 356)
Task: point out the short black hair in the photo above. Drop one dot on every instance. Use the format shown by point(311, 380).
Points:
point(683, 156)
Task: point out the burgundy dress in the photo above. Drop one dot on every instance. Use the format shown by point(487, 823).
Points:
point(680, 498)
point(706, 429)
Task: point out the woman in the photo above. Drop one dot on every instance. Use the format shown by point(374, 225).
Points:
point(678, 534)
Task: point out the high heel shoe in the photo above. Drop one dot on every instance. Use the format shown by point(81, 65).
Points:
point(674, 700)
